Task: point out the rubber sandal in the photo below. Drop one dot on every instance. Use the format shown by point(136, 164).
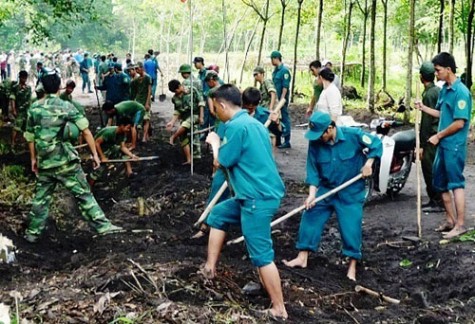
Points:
point(446, 227)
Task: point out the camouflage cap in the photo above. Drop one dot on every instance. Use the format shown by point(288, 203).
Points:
point(427, 68)
point(184, 68)
point(259, 69)
point(211, 75)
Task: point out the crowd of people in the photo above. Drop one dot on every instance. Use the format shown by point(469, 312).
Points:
point(244, 129)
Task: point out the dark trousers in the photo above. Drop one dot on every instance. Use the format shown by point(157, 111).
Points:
point(427, 162)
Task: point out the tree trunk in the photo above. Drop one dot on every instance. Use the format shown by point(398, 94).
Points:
point(440, 36)
point(385, 41)
point(248, 46)
point(225, 37)
point(263, 34)
point(345, 41)
point(372, 60)
point(410, 50)
point(451, 26)
point(469, 44)
point(319, 29)
point(294, 72)
point(363, 46)
point(282, 21)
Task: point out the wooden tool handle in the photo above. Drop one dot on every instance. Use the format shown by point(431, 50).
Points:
point(373, 293)
point(277, 109)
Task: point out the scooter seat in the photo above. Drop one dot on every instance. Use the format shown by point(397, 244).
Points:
point(404, 140)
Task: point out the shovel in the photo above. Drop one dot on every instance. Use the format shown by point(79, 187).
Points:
point(163, 96)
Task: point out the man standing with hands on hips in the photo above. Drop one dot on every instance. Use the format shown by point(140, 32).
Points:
point(454, 109)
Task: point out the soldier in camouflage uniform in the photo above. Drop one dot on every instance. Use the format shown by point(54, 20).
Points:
point(50, 125)
point(267, 89)
point(110, 144)
point(185, 71)
point(20, 100)
point(183, 109)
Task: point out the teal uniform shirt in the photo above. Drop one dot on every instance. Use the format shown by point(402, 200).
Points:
point(455, 102)
point(246, 152)
point(281, 79)
point(202, 76)
point(329, 166)
point(261, 114)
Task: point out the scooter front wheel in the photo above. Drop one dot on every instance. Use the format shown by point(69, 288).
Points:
point(368, 188)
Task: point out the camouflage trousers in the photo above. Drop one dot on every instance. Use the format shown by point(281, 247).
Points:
point(72, 177)
point(185, 139)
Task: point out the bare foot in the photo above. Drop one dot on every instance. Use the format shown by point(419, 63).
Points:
point(172, 140)
point(351, 274)
point(298, 262)
point(278, 314)
point(186, 163)
point(202, 232)
point(456, 231)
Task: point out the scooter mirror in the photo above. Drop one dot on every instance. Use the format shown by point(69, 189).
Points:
point(401, 108)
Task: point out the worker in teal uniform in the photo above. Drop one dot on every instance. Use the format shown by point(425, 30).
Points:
point(246, 153)
point(335, 155)
point(281, 79)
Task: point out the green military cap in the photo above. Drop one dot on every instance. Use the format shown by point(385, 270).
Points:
point(70, 132)
point(139, 64)
point(130, 66)
point(259, 69)
point(275, 54)
point(211, 75)
point(427, 68)
point(184, 68)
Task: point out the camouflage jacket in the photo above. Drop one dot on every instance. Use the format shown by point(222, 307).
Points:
point(183, 104)
point(45, 125)
point(266, 88)
point(22, 98)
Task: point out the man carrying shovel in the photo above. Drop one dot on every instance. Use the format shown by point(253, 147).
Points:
point(335, 155)
point(246, 153)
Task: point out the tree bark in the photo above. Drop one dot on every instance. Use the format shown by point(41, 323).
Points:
point(451, 26)
point(294, 72)
point(372, 60)
point(385, 42)
point(248, 46)
point(319, 29)
point(469, 44)
point(440, 36)
point(284, 4)
point(264, 16)
point(345, 41)
point(410, 50)
point(365, 13)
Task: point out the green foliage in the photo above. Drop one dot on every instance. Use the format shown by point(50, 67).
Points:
point(15, 187)
point(405, 263)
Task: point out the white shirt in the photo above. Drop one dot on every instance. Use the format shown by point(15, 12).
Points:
point(330, 102)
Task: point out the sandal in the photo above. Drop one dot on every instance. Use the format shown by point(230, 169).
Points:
point(456, 231)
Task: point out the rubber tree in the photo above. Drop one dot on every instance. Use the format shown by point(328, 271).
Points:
point(284, 4)
point(264, 16)
point(319, 29)
point(385, 42)
point(297, 31)
point(469, 43)
point(410, 51)
point(365, 12)
point(372, 59)
point(347, 29)
point(451, 26)
point(440, 33)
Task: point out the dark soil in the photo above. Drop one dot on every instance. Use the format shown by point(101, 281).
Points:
point(72, 276)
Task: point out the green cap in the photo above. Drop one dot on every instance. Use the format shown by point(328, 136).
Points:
point(139, 64)
point(317, 125)
point(275, 54)
point(259, 69)
point(427, 68)
point(184, 68)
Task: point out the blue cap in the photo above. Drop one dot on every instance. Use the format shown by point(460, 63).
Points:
point(317, 125)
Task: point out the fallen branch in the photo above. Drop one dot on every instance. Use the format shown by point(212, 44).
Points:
point(373, 293)
point(299, 209)
point(201, 131)
point(145, 158)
